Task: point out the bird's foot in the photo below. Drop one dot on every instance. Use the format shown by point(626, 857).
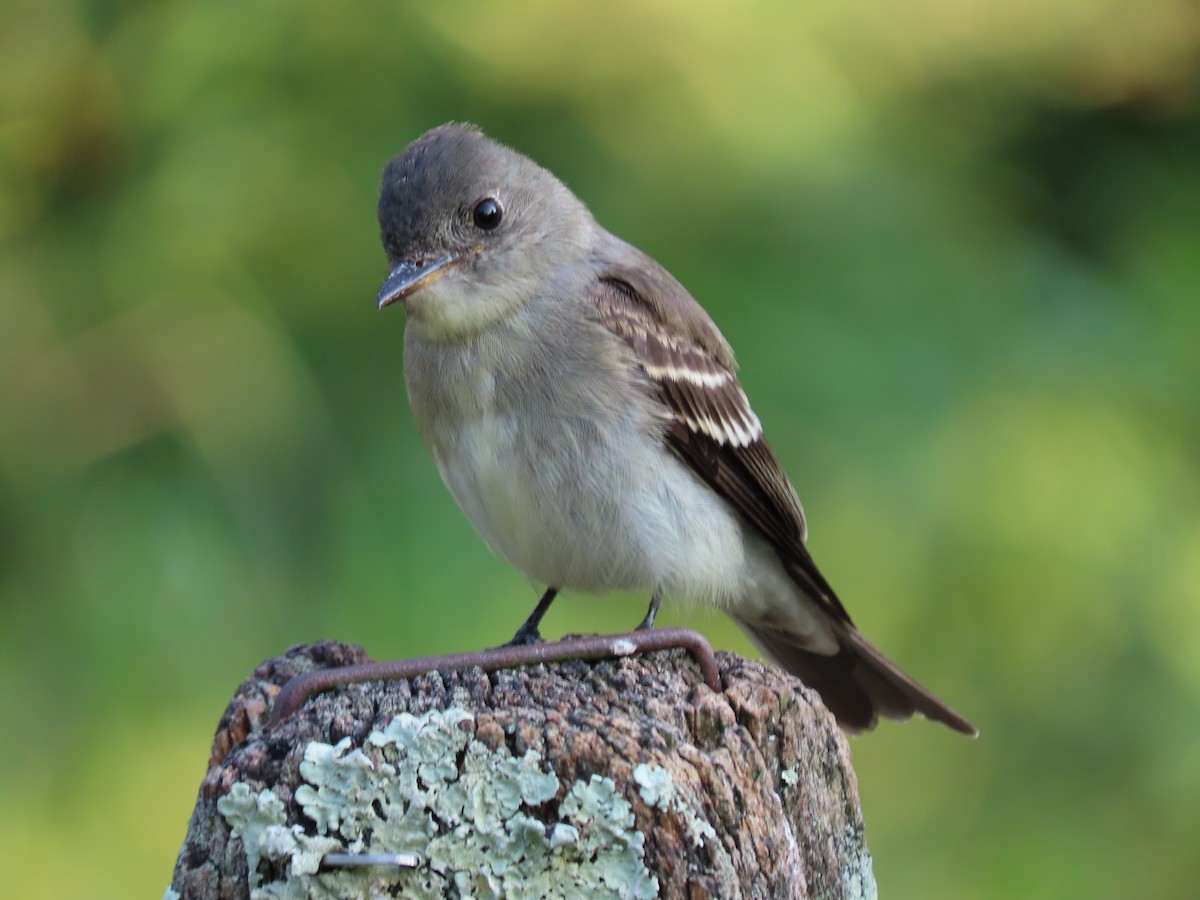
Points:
point(525, 636)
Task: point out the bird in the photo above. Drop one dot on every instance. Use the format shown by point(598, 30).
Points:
point(585, 413)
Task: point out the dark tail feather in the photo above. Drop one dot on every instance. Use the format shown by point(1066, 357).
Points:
point(858, 684)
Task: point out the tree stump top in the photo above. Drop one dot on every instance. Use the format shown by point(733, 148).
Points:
point(622, 778)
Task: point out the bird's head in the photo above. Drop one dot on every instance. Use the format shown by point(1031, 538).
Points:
point(471, 229)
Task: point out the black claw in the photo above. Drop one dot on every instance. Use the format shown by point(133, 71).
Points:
point(524, 637)
point(528, 633)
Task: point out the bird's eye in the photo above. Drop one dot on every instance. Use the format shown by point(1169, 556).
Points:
point(487, 214)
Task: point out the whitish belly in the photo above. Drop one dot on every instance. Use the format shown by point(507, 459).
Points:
point(571, 509)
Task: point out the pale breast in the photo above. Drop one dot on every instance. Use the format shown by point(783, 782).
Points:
point(563, 474)
point(593, 517)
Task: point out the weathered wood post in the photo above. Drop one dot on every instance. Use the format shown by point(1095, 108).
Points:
point(621, 778)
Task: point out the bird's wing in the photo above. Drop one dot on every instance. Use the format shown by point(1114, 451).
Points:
point(711, 426)
point(712, 429)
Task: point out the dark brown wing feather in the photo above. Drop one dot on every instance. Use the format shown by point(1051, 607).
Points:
point(714, 431)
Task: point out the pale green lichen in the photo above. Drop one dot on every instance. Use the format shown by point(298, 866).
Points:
point(858, 881)
point(658, 789)
point(260, 821)
point(789, 776)
point(481, 821)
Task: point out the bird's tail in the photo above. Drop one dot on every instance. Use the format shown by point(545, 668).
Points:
point(858, 683)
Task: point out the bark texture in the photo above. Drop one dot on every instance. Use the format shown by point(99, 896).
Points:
point(764, 803)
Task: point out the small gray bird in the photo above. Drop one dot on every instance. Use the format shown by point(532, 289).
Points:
point(584, 412)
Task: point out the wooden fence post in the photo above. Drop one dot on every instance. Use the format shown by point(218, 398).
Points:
point(622, 778)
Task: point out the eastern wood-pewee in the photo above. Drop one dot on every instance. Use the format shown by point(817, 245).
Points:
point(583, 410)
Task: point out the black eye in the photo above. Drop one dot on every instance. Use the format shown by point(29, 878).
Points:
point(487, 214)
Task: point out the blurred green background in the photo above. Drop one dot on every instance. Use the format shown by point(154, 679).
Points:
point(957, 246)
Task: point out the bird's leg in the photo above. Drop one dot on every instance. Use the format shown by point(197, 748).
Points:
point(655, 600)
point(528, 633)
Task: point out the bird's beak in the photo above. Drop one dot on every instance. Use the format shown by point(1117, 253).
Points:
point(408, 277)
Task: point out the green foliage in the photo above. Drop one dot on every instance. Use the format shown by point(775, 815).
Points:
point(954, 246)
